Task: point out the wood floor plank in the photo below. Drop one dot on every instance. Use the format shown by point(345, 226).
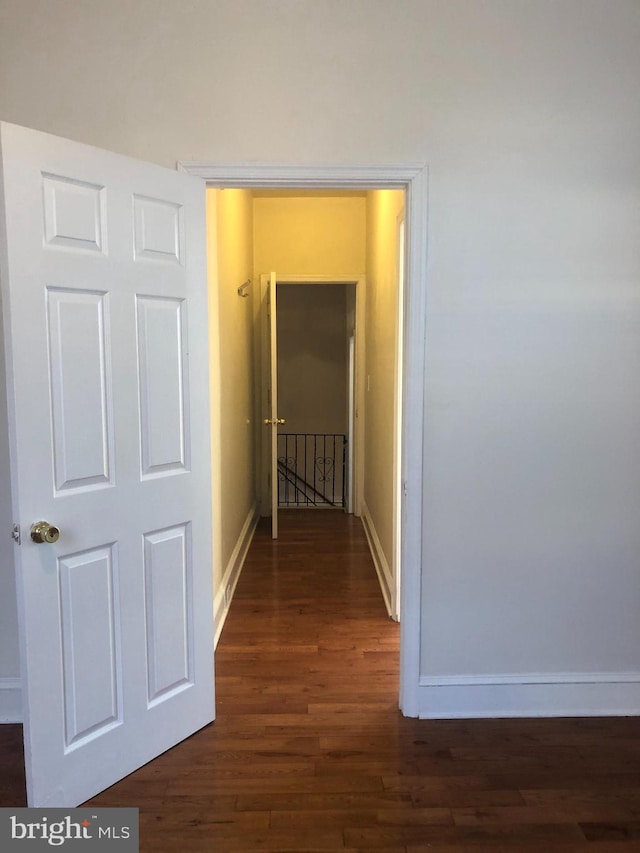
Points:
point(310, 753)
point(369, 838)
point(200, 785)
point(295, 801)
point(494, 846)
point(611, 830)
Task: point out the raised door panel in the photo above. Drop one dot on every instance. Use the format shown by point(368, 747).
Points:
point(159, 230)
point(168, 606)
point(80, 389)
point(90, 628)
point(74, 214)
point(163, 384)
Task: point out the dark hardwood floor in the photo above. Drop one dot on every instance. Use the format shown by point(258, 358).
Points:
point(309, 751)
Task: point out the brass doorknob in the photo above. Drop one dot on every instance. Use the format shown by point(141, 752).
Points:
point(42, 532)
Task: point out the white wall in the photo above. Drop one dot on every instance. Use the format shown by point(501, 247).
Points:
point(527, 113)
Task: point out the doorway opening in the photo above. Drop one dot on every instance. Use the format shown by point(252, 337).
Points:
point(307, 326)
point(315, 394)
point(408, 506)
point(327, 234)
point(315, 361)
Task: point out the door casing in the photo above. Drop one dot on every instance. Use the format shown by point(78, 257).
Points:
point(413, 179)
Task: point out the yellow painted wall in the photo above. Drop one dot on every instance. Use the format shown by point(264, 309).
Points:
point(309, 234)
point(233, 412)
point(383, 210)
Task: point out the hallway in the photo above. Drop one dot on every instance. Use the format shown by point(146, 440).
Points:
point(310, 753)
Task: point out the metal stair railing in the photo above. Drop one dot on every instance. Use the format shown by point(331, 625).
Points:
point(312, 469)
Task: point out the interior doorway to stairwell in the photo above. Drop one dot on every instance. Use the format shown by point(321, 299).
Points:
point(318, 341)
point(411, 180)
point(326, 279)
point(316, 329)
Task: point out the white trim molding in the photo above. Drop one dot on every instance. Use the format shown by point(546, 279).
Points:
point(10, 700)
point(380, 562)
point(557, 694)
point(413, 178)
point(224, 594)
point(321, 176)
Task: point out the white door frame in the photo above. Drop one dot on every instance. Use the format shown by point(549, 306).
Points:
point(396, 592)
point(413, 179)
point(351, 421)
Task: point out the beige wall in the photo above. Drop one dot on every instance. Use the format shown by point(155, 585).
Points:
point(233, 422)
point(381, 323)
point(526, 112)
point(309, 233)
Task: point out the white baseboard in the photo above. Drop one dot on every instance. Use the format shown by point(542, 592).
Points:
point(224, 594)
point(10, 700)
point(567, 694)
point(379, 560)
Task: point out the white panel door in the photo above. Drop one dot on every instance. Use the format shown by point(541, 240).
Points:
point(272, 419)
point(105, 321)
